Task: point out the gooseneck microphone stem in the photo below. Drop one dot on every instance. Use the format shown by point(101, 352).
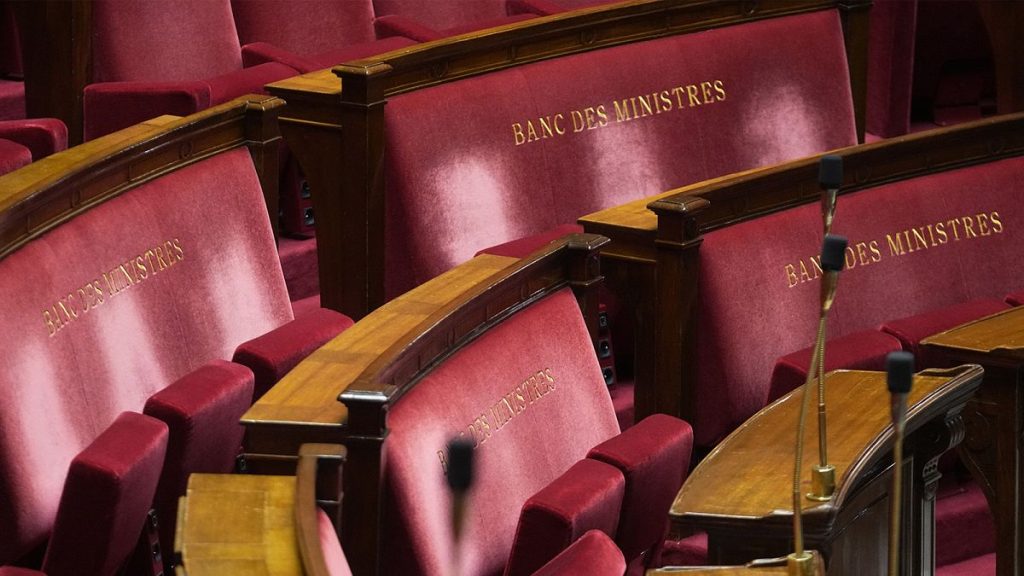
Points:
point(899, 367)
point(798, 533)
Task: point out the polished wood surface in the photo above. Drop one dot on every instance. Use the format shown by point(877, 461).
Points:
point(342, 393)
point(664, 233)
point(768, 567)
point(47, 193)
point(741, 493)
point(240, 524)
point(994, 450)
point(344, 167)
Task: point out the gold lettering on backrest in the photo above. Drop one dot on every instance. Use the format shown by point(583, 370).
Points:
point(509, 406)
point(92, 294)
point(901, 243)
point(627, 109)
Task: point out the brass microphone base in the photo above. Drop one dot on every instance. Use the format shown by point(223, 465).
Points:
point(800, 565)
point(823, 483)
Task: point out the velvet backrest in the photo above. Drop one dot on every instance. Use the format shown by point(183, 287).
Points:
point(163, 41)
point(487, 159)
point(116, 303)
point(529, 394)
point(441, 15)
point(915, 245)
point(308, 27)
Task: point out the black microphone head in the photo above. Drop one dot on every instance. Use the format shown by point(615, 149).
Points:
point(899, 368)
point(830, 172)
point(833, 253)
point(460, 465)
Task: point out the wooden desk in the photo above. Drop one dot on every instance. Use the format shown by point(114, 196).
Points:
point(741, 494)
point(992, 450)
point(774, 567)
point(238, 524)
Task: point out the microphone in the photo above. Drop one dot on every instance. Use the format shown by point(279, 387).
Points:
point(460, 479)
point(899, 367)
point(833, 256)
point(801, 562)
point(830, 178)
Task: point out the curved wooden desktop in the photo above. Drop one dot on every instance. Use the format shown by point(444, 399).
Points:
point(992, 449)
point(741, 494)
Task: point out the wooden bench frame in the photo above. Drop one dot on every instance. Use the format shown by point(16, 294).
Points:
point(342, 393)
point(653, 259)
point(338, 134)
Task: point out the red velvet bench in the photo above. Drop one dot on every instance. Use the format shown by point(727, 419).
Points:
point(499, 352)
point(433, 152)
point(125, 297)
point(931, 223)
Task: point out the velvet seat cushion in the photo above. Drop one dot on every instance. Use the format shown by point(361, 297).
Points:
point(13, 156)
point(106, 498)
point(485, 171)
point(261, 52)
point(398, 25)
point(523, 247)
point(654, 458)
point(116, 304)
point(864, 350)
point(951, 241)
point(201, 410)
point(587, 497)
point(318, 26)
point(444, 15)
point(519, 392)
point(594, 555)
point(1015, 299)
point(42, 136)
point(334, 556)
point(977, 566)
point(275, 353)
point(912, 329)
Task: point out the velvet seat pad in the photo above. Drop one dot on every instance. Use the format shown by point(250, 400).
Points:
point(163, 41)
point(442, 15)
point(311, 27)
point(214, 283)
point(13, 156)
point(958, 265)
point(594, 555)
point(458, 181)
point(42, 136)
point(529, 393)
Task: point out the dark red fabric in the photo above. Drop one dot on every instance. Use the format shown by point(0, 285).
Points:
point(43, 136)
point(212, 280)
point(107, 494)
point(261, 52)
point(592, 555)
point(777, 105)
point(864, 350)
point(890, 66)
point(623, 393)
point(980, 566)
point(538, 7)
point(14, 571)
point(275, 353)
point(443, 15)
point(397, 25)
point(587, 497)
point(308, 28)
point(912, 329)
point(689, 551)
point(654, 457)
point(1015, 299)
point(111, 106)
point(12, 99)
point(306, 306)
point(523, 247)
point(522, 392)
point(163, 41)
point(334, 556)
point(300, 268)
point(485, 24)
point(201, 410)
point(939, 267)
point(13, 156)
point(964, 527)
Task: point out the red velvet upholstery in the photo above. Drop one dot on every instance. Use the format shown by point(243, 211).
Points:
point(865, 350)
point(13, 156)
point(116, 304)
point(464, 15)
point(980, 566)
point(523, 247)
point(940, 266)
point(890, 66)
point(689, 551)
point(299, 265)
point(587, 497)
point(275, 353)
point(107, 494)
point(654, 457)
point(201, 410)
point(769, 105)
point(42, 136)
point(309, 28)
point(261, 52)
point(592, 555)
point(14, 571)
point(911, 330)
point(12, 99)
point(521, 391)
point(112, 106)
point(964, 527)
point(1015, 299)
point(334, 556)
